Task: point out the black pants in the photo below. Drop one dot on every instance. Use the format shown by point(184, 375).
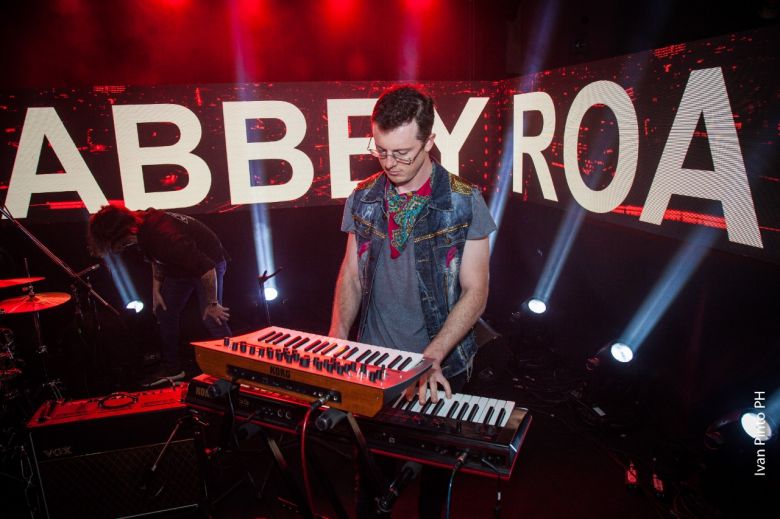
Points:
point(433, 480)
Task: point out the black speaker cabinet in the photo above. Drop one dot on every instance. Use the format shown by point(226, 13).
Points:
point(124, 455)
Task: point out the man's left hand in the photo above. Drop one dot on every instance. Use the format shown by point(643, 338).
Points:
point(217, 312)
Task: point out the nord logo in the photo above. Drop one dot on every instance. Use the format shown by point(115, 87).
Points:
point(280, 372)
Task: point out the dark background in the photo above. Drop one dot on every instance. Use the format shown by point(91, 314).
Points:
point(715, 345)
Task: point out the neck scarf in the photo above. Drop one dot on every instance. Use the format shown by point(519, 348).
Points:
point(403, 210)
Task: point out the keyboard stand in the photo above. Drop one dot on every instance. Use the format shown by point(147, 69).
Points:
point(329, 419)
point(229, 438)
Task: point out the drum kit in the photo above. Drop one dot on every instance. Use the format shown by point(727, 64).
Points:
point(10, 364)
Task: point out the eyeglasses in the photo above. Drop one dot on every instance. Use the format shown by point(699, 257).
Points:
point(401, 158)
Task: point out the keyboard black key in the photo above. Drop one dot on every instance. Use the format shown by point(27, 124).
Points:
point(363, 356)
point(312, 345)
point(280, 339)
point(329, 348)
point(395, 361)
point(320, 347)
point(267, 335)
point(463, 411)
point(341, 351)
point(500, 417)
point(354, 350)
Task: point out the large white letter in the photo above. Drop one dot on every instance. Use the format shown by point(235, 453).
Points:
point(341, 145)
point(532, 145)
point(40, 123)
point(449, 144)
point(705, 94)
point(132, 157)
point(240, 152)
point(616, 99)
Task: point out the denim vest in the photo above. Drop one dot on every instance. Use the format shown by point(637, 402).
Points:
point(439, 236)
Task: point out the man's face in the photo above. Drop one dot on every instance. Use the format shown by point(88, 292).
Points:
point(125, 243)
point(403, 142)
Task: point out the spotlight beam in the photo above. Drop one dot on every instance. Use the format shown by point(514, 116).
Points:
point(261, 231)
point(535, 60)
point(676, 275)
point(559, 252)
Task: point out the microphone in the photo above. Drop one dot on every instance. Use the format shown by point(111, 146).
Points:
point(408, 473)
point(88, 270)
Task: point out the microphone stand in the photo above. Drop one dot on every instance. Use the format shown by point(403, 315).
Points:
point(57, 261)
point(261, 279)
point(77, 281)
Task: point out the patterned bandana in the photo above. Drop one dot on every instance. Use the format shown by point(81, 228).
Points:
point(404, 208)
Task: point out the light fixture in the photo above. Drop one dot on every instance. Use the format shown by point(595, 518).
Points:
point(270, 293)
point(757, 425)
point(136, 305)
point(621, 352)
point(536, 305)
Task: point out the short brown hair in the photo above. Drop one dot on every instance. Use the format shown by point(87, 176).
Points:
point(402, 105)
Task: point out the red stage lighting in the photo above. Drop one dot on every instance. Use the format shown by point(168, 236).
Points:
point(340, 14)
point(174, 4)
point(419, 6)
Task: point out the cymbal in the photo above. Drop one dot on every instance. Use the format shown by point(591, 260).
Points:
point(35, 303)
point(12, 282)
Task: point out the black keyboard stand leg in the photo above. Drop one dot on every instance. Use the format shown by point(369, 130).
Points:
point(334, 416)
point(199, 437)
point(232, 434)
point(327, 486)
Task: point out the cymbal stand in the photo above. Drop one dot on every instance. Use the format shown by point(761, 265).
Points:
point(42, 351)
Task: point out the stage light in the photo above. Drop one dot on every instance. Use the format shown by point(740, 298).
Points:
point(536, 306)
point(270, 293)
point(261, 231)
point(757, 425)
point(122, 281)
point(621, 352)
point(614, 353)
point(135, 305)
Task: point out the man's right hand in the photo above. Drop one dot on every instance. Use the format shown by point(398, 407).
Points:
point(157, 301)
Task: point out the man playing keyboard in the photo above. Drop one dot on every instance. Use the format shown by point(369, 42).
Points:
point(415, 270)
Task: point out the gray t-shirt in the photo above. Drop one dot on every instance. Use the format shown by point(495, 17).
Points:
point(395, 317)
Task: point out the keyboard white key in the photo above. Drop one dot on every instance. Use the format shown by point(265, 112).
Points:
point(489, 404)
point(448, 403)
point(482, 406)
point(459, 400)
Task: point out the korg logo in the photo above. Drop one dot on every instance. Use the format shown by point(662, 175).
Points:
point(279, 372)
point(58, 452)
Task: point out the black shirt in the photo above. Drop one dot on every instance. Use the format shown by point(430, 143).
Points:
point(180, 245)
